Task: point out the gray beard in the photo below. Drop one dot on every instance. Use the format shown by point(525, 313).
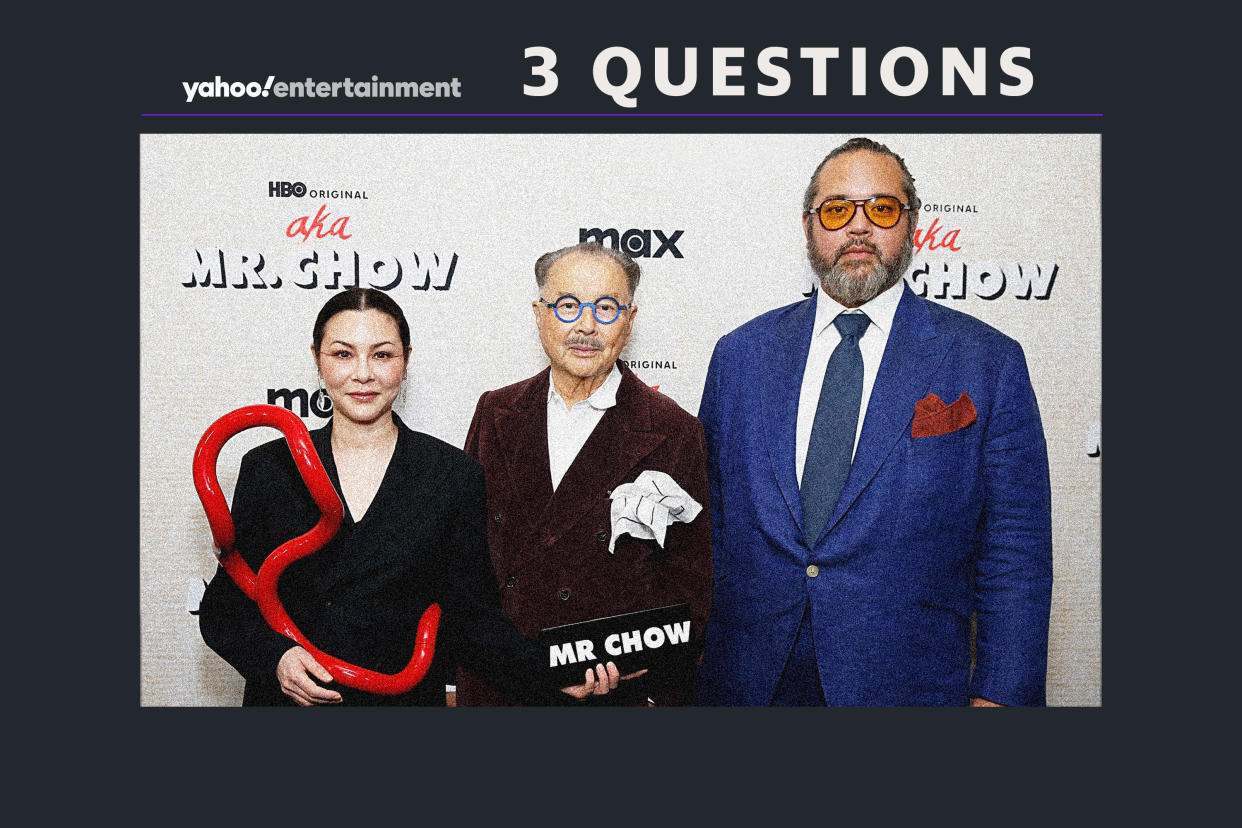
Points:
point(849, 287)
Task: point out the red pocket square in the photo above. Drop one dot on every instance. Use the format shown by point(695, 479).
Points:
point(933, 418)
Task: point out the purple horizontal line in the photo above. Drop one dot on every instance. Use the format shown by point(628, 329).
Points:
point(622, 115)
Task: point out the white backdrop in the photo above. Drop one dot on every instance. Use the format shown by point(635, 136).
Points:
point(463, 218)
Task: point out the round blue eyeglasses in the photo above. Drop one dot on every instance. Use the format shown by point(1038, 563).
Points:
point(568, 308)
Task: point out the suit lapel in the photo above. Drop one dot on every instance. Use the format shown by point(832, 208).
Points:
point(395, 484)
point(340, 564)
point(784, 362)
point(523, 432)
point(321, 439)
point(623, 437)
point(913, 354)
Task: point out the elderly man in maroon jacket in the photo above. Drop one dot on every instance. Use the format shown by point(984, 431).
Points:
point(555, 446)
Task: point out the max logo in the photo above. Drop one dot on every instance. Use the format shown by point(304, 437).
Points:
point(306, 403)
point(634, 241)
point(304, 226)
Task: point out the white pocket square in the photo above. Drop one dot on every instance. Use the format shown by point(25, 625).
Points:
point(647, 506)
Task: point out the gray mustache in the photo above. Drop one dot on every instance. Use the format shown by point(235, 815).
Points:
point(855, 245)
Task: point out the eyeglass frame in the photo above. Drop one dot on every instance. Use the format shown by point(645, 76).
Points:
point(581, 305)
point(857, 202)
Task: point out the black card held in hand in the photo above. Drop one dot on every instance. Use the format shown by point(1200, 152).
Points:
point(656, 639)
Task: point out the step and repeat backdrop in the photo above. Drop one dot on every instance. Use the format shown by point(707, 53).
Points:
point(244, 237)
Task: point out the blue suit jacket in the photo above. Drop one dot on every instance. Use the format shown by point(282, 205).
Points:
point(927, 532)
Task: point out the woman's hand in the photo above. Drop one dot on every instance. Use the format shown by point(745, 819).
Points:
point(294, 671)
point(599, 681)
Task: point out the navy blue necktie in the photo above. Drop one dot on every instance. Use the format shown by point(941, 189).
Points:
point(836, 422)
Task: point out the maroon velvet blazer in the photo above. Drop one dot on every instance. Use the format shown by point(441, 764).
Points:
point(550, 551)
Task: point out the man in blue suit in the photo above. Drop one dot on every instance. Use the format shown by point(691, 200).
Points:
point(879, 480)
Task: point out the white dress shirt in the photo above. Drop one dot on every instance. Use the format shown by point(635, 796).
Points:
point(569, 428)
point(824, 339)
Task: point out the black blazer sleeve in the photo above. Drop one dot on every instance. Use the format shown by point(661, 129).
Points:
point(229, 621)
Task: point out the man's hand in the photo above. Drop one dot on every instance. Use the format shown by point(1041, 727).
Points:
point(294, 672)
point(981, 702)
point(599, 681)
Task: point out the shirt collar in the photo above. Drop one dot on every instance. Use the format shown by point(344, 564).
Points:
point(603, 398)
point(879, 310)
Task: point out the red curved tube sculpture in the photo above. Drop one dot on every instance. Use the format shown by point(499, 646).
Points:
point(261, 588)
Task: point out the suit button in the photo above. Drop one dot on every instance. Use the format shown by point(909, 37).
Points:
point(565, 594)
point(602, 537)
point(812, 571)
point(496, 517)
point(511, 581)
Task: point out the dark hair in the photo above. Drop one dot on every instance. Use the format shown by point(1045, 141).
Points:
point(360, 299)
point(595, 250)
point(854, 145)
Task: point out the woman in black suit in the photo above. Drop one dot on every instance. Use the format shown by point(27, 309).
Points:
point(414, 532)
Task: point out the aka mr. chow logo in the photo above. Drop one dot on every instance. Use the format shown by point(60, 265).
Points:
point(638, 243)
